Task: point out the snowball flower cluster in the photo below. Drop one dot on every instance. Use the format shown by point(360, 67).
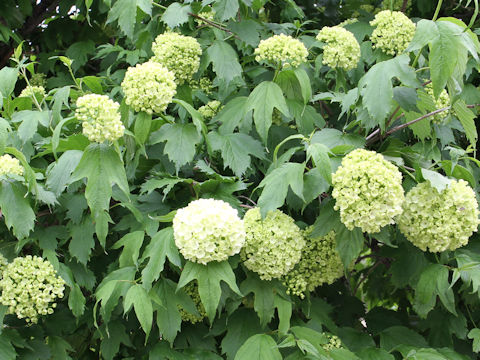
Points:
point(393, 32)
point(438, 221)
point(149, 87)
point(320, 264)
point(273, 245)
point(204, 84)
point(342, 49)
point(178, 53)
point(192, 290)
point(34, 91)
point(334, 342)
point(281, 49)
point(29, 287)
point(100, 118)
point(441, 102)
point(209, 110)
point(208, 230)
point(10, 165)
point(368, 191)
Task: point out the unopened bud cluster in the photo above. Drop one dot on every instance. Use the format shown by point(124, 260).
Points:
point(10, 165)
point(192, 290)
point(441, 102)
point(393, 31)
point(368, 191)
point(281, 49)
point(34, 91)
point(209, 110)
point(273, 245)
point(342, 49)
point(29, 287)
point(439, 220)
point(100, 118)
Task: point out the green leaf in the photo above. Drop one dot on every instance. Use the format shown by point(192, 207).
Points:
point(266, 96)
point(327, 220)
point(376, 86)
point(29, 122)
point(181, 140)
point(474, 334)
point(225, 60)
point(8, 79)
point(142, 125)
point(125, 12)
point(232, 114)
point(319, 154)
point(161, 246)
point(349, 244)
point(138, 297)
point(284, 312)
point(82, 241)
point(236, 150)
point(226, 9)
point(393, 337)
point(466, 117)
point(264, 294)
point(7, 351)
point(59, 348)
point(336, 141)
point(209, 277)
point(58, 176)
point(261, 347)
point(168, 315)
point(79, 52)
point(111, 343)
point(16, 209)
point(241, 325)
point(76, 301)
point(375, 354)
point(275, 186)
point(176, 14)
point(131, 243)
point(437, 180)
point(102, 166)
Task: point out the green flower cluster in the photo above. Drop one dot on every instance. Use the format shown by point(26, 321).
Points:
point(397, 5)
point(29, 287)
point(438, 221)
point(393, 32)
point(319, 264)
point(342, 49)
point(100, 118)
point(208, 230)
point(204, 84)
point(348, 22)
point(209, 110)
point(10, 165)
point(149, 87)
point(281, 49)
point(208, 15)
point(34, 91)
point(334, 342)
point(441, 102)
point(178, 53)
point(3, 264)
point(273, 245)
point(368, 190)
point(192, 290)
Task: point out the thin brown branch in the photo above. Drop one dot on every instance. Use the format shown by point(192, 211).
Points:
point(404, 5)
point(211, 23)
point(403, 126)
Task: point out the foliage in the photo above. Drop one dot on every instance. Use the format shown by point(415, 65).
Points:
point(239, 179)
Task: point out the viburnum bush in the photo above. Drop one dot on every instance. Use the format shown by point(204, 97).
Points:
point(239, 179)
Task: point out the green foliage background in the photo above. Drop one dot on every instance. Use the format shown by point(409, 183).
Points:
point(101, 213)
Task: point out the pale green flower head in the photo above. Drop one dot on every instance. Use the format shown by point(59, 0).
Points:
point(397, 5)
point(3, 264)
point(204, 84)
point(209, 110)
point(438, 221)
point(342, 49)
point(29, 287)
point(10, 165)
point(320, 264)
point(368, 191)
point(281, 49)
point(178, 53)
point(208, 230)
point(393, 32)
point(208, 15)
point(100, 118)
point(441, 102)
point(192, 290)
point(34, 91)
point(149, 87)
point(334, 342)
point(273, 245)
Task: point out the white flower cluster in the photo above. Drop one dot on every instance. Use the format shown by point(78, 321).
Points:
point(438, 221)
point(320, 264)
point(10, 165)
point(34, 91)
point(342, 49)
point(273, 245)
point(149, 87)
point(29, 287)
point(178, 53)
point(441, 102)
point(281, 49)
point(100, 118)
point(192, 290)
point(393, 32)
point(209, 110)
point(208, 230)
point(368, 191)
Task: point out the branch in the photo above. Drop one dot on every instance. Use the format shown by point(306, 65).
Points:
point(404, 5)
point(211, 23)
point(403, 126)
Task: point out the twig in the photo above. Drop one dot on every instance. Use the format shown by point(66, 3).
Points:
point(211, 23)
point(402, 126)
point(248, 199)
point(366, 276)
point(404, 5)
point(246, 206)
